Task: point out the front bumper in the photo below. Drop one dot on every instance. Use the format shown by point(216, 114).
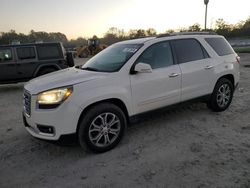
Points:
point(50, 124)
point(39, 133)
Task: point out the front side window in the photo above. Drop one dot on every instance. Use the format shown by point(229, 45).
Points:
point(112, 58)
point(26, 53)
point(157, 56)
point(188, 50)
point(5, 54)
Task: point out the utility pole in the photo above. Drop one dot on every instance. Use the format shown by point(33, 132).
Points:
point(206, 3)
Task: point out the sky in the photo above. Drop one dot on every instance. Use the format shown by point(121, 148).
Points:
point(86, 18)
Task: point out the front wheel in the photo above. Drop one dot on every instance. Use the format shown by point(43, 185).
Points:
point(222, 95)
point(102, 127)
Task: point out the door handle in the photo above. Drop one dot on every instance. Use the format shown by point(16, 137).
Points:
point(208, 67)
point(173, 75)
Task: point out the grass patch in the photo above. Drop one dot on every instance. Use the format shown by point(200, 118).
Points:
point(242, 49)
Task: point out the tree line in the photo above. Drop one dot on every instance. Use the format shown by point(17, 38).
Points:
point(241, 30)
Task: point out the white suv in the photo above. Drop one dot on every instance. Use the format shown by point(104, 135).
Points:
point(97, 100)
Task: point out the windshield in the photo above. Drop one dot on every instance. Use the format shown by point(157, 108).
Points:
point(112, 58)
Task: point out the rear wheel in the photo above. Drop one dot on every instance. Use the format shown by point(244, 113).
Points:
point(222, 95)
point(102, 128)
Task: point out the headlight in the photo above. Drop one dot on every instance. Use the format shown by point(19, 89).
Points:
point(55, 96)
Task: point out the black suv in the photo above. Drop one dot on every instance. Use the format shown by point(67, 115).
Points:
point(25, 61)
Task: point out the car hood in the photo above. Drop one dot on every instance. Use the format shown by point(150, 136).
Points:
point(61, 78)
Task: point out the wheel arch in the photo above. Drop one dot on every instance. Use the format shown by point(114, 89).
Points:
point(230, 77)
point(41, 67)
point(115, 101)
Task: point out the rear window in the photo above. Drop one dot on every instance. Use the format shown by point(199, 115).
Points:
point(188, 50)
point(49, 52)
point(26, 53)
point(220, 46)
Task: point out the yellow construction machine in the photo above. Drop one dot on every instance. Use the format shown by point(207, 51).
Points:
point(91, 49)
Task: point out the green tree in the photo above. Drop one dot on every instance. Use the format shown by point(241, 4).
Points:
point(194, 28)
point(247, 24)
point(223, 28)
point(151, 32)
point(113, 35)
point(137, 33)
point(170, 31)
point(9, 37)
point(58, 37)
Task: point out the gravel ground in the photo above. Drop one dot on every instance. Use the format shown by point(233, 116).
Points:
point(188, 146)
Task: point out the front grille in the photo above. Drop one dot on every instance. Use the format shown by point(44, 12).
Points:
point(27, 102)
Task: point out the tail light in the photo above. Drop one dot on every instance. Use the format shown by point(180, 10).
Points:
point(238, 59)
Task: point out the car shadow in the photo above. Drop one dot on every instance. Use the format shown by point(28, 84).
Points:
point(11, 87)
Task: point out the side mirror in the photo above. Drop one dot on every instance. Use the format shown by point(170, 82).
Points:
point(142, 68)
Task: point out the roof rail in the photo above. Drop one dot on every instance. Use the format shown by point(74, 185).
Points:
point(187, 33)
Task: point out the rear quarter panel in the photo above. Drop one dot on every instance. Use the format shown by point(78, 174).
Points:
point(223, 65)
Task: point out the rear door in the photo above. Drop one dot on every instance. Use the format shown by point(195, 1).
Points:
point(196, 67)
point(27, 61)
point(8, 69)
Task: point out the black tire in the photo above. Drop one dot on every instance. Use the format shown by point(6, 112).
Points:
point(92, 126)
point(70, 59)
point(219, 102)
point(46, 71)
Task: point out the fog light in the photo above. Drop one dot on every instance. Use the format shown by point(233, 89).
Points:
point(46, 129)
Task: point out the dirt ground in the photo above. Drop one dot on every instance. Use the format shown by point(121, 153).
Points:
point(187, 146)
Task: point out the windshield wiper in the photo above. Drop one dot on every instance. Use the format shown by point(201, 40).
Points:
point(90, 69)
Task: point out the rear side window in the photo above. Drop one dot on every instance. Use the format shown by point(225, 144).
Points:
point(26, 53)
point(49, 52)
point(220, 46)
point(5, 55)
point(188, 50)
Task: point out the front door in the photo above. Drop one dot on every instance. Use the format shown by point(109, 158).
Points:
point(8, 69)
point(162, 86)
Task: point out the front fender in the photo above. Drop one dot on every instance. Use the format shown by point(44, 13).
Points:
point(91, 95)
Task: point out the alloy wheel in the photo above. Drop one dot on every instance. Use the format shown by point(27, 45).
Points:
point(223, 95)
point(104, 129)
